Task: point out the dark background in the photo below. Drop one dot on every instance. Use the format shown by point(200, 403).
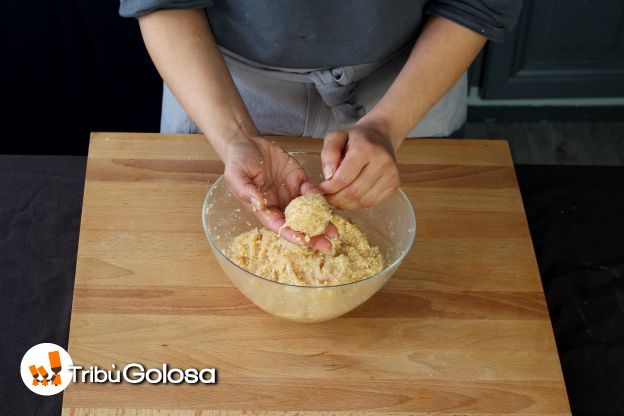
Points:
point(74, 66)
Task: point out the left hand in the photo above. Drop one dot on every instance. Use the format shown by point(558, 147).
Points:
point(360, 168)
point(265, 178)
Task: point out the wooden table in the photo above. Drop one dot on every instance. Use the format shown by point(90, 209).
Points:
point(461, 328)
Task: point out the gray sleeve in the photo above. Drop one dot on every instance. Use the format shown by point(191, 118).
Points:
point(137, 8)
point(490, 18)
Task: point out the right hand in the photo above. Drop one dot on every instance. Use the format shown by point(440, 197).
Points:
point(265, 178)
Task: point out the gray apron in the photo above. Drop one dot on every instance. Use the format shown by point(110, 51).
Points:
point(314, 102)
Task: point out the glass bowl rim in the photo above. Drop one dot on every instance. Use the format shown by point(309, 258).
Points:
point(247, 272)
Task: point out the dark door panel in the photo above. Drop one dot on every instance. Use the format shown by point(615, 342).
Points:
point(560, 48)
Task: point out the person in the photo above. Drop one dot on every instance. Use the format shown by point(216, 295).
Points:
point(362, 75)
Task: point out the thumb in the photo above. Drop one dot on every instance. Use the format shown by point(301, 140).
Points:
point(244, 189)
point(308, 187)
point(331, 154)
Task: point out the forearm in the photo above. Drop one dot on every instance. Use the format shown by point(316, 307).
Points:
point(188, 59)
point(442, 53)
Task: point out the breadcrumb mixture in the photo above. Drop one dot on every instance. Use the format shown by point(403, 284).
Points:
point(264, 253)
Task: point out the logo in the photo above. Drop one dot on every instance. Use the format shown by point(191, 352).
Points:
point(45, 369)
point(48, 369)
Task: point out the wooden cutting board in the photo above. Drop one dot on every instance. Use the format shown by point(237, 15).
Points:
point(461, 328)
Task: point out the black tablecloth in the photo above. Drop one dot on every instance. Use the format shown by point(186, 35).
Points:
point(576, 216)
point(40, 204)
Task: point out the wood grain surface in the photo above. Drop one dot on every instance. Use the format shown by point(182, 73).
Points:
point(461, 328)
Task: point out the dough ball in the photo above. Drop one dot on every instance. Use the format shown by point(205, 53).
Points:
point(308, 214)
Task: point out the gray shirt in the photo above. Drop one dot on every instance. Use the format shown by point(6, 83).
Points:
point(329, 33)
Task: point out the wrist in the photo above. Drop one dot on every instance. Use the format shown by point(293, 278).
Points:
point(237, 133)
point(383, 127)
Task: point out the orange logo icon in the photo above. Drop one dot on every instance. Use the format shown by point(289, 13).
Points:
point(45, 370)
point(55, 366)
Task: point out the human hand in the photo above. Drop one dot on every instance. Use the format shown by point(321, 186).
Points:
point(359, 166)
point(265, 178)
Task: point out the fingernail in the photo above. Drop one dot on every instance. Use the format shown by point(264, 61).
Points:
point(328, 172)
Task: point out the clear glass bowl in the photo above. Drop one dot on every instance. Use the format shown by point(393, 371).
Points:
point(391, 226)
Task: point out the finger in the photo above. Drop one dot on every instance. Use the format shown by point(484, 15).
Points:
point(292, 236)
point(376, 189)
point(333, 147)
point(351, 196)
point(270, 217)
point(308, 188)
point(380, 191)
point(273, 219)
point(347, 172)
point(293, 175)
point(342, 202)
point(385, 195)
point(319, 243)
point(244, 189)
point(331, 231)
